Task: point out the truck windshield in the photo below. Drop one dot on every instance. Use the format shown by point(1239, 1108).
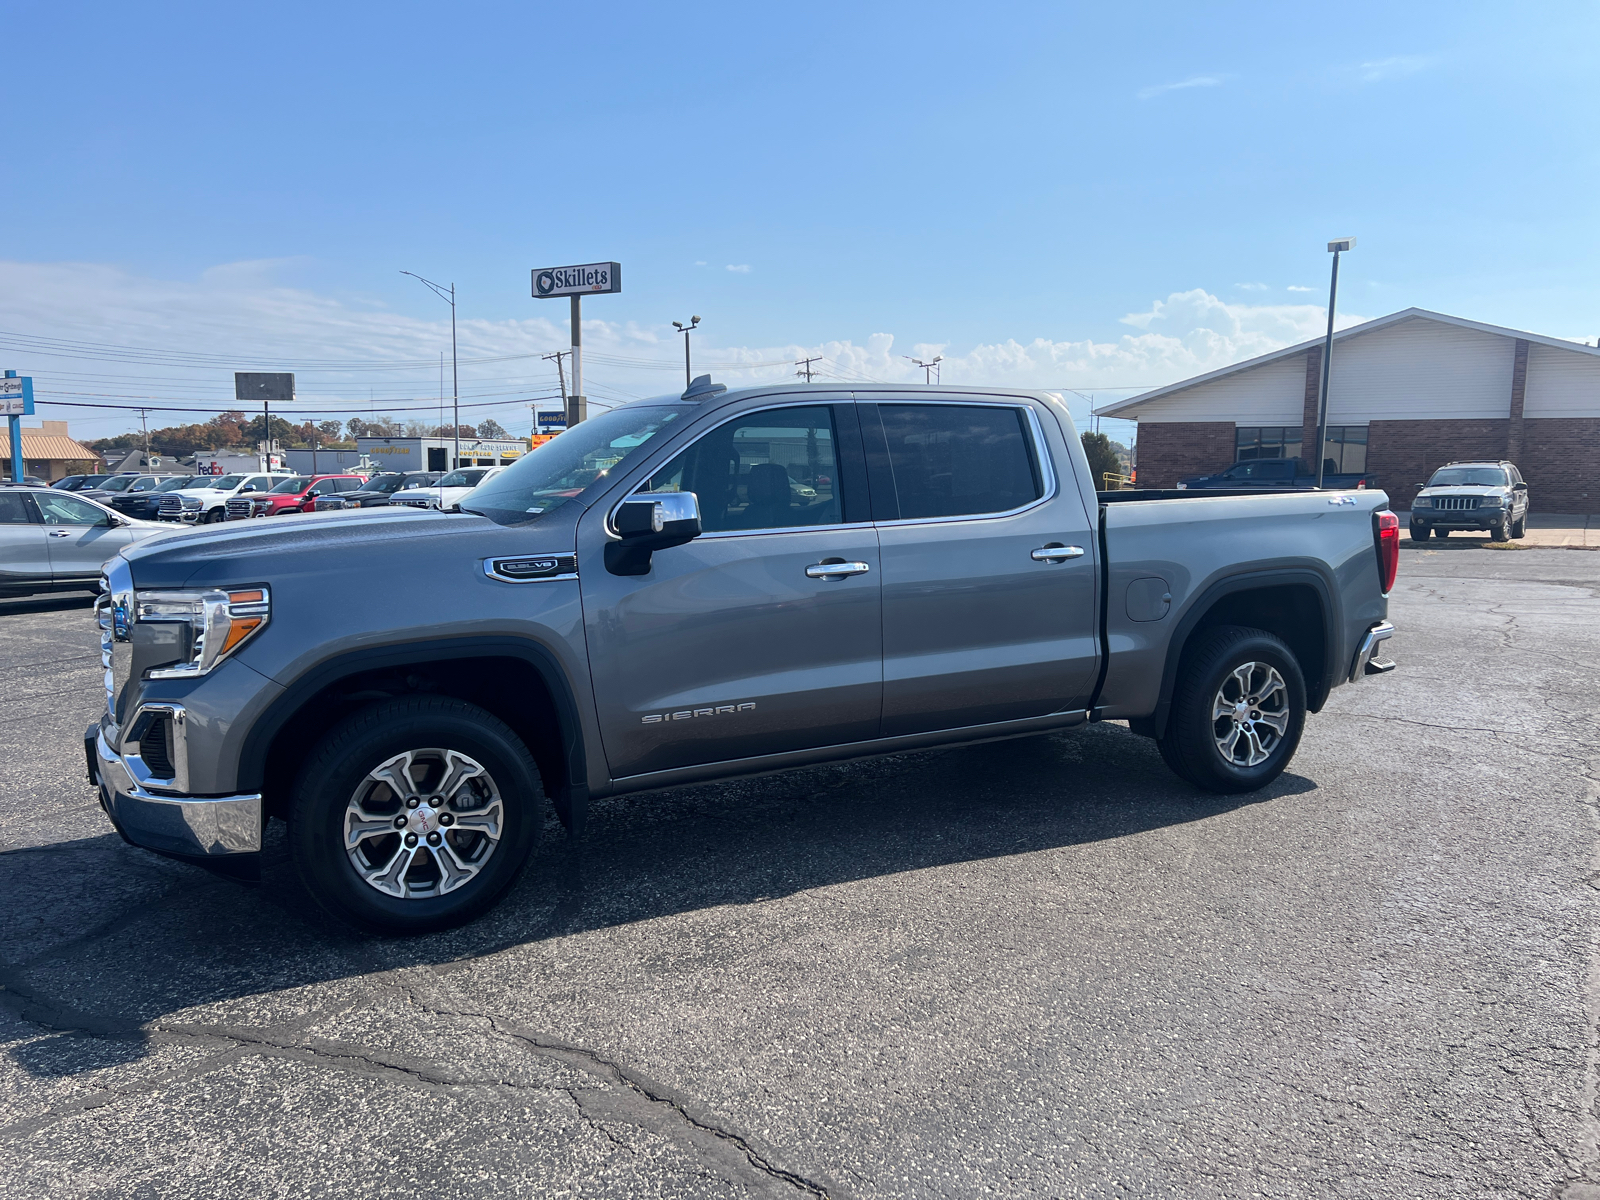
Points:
point(567, 465)
point(292, 484)
point(463, 478)
point(172, 485)
point(385, 483)
point(222, 482)
point(1468, 477)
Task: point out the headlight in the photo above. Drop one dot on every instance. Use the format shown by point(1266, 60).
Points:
point(1491, 501)
point(1422, 502)
point(219, 623)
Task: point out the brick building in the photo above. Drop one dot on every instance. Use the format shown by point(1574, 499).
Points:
point(1407, 393)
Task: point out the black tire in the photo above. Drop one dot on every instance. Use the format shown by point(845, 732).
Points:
point(340, 766)
point(1419, 533)
point(1519, 527)
point(1440, 533)
point(216, 516)
point(1189, 746)
point(1502, 529)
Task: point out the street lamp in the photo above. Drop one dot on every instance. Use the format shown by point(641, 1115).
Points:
point(686, 330)
point(930, 369)
point(455, 381)
point(1334, 248)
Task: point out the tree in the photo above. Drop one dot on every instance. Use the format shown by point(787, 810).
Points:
point(1103, 460)
point(448, 431)
point(329, 430)
point(492, 429)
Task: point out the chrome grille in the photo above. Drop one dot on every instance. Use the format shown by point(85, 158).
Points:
point(238, 508)
point(1455, 503)
point(171, 506)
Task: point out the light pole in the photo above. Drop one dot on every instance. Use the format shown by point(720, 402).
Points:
point(1334, 248)
point(930, 369)
point(455, 379)
point(686, 330)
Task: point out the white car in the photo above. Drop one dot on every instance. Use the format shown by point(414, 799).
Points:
point(449, 492)
point(207, 502)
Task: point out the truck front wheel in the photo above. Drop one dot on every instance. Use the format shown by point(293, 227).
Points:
point(415, 815)
point(1238, 709)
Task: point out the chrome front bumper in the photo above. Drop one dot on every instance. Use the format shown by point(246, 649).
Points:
point(1366, 662)
point(206, 827)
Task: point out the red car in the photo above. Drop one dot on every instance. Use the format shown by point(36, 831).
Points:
point(292, 494)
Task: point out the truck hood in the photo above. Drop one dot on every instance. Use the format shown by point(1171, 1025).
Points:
point(351, 548)
point(1464, 489)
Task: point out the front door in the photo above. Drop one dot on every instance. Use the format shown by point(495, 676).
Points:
point(740, 643)
point(23, 557)
point(79, 536)
point(989, 602)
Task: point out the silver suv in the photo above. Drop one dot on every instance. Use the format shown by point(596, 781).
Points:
point(1472, 495)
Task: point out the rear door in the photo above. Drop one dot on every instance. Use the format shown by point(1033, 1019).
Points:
point(79, 536)
point(23, 557)
point(989, 603)
point(740, 643)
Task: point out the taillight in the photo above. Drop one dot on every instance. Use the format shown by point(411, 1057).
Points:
point(1386, 534)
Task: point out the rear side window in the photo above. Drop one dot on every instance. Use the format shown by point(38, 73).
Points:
point(955, 460)
point(14, 509)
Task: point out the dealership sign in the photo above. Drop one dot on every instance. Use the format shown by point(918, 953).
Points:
point(16, 396)
point(550, 282)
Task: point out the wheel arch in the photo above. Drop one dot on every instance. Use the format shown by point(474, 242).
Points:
point(516, 678)
point(1295, 604)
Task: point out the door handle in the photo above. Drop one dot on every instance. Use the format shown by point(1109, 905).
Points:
point(1057, 553)
point(836, 570)
point(60, 533)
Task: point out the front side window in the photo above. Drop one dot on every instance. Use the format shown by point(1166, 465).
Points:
point(587, 455)
point(777, 469)
point(956, 460)
point(118, 483)
point(68, 510)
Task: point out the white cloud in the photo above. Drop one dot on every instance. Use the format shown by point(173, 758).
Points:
point(1252, 287)
point(241, 314)
point(1196, 81)
point(739, 269)
point(1395, 67)
point(699, 262)
point(1295, 287)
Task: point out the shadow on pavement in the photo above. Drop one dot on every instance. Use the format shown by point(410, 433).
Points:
point(116, 938)
point(59, 602)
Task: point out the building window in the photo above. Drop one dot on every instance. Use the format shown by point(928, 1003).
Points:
point(1266, 441)
point(1345, 451)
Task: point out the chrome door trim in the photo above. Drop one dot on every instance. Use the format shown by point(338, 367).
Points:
point(838, 570)
point(1056, 553)
point(1047, 473)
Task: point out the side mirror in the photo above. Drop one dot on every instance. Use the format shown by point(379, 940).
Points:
point(645, 524)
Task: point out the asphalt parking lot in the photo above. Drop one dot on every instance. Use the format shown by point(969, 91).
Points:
point(1035, 968)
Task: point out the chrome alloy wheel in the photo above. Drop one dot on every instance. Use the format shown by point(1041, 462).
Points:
point(1250, 714)
point(423, 823)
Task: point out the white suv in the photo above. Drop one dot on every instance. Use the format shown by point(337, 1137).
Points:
point(449, 492)
point(207, 503)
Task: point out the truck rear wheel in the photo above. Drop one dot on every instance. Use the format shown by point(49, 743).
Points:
point(1238, 710)
point(415, 815)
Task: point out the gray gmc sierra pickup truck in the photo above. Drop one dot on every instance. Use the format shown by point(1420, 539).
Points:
point(699, 586)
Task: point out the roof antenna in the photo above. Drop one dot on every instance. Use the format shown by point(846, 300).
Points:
point(703, 389)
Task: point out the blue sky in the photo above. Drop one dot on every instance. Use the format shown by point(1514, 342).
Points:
point(1054, 195)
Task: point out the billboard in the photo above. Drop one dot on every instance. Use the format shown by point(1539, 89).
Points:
point(588, 278)
point(263, 387)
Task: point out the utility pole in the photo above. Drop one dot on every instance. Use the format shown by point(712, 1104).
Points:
point(1327, 355)
point(561, 375)
point(930, 369)
point(145, 425)
point(686, 330)
point(438, 289)
point(805, 366)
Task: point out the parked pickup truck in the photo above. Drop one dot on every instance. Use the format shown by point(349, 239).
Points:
point(1276, 473)
point(696, 587)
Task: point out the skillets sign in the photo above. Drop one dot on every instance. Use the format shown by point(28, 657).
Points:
point(588, 279)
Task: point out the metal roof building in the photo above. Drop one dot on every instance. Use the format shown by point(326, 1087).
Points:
point(1407, 393)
